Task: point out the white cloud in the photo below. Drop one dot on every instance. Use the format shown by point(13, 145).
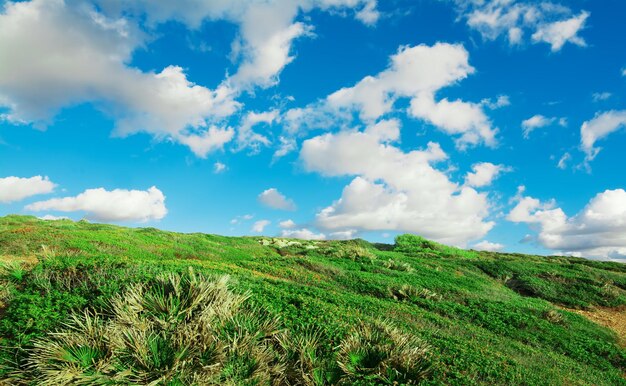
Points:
point(543, 21)
point(48, 42)
point(487, 246)
point(238, 219)
point(115, 205)
point(276, 200)
point(624, 71)
point(600, 96)
point(16, 188)
point(501, 101)
point(304, 234)
point(418, 73)
point(267, 29)
point(219, 167)
point(564, 160)
point(599, 127)
point(598, 230)
point(455, 117)
point(394, 190)
point(484, 173)
point(539, 121)
point(348, 234)
point(208, 141)
point(259, 226)
point(247, 138)
point(50, 217)
point(287, 224)
point(561, 32)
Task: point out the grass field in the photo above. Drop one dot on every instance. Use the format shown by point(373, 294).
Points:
point(84, 303)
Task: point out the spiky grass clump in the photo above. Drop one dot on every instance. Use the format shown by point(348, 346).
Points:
point(408, 292)
point(381, 353)
point(177, 329)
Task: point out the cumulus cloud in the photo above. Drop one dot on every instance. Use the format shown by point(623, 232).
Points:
point(259, 226)
point(483, 174)
point(598, 128)
point(267, 29)
point(287, 224)
point(394, 190)
point(115, 205)
point(545, 21)
point(276, 200)
point(304, 234)
point(539, 121)
point(488, 246)
point(418, 73)
point(560, 32)
point(598, 230)
point(17, 188)
point(48, 43)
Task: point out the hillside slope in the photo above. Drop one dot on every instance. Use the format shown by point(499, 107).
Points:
point(476, 317)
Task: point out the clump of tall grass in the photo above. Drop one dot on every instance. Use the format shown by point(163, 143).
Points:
point(380, 353)
point(177, 329)
point(553, 316)
point(407, 292)
point(398, 266)
point(356, 250)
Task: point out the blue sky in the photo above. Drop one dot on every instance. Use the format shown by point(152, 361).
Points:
point(495, 124)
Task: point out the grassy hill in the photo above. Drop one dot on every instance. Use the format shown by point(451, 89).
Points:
point(84, 303)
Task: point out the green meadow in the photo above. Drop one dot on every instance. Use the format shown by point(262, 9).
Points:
point(93, 304)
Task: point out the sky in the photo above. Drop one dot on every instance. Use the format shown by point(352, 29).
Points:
point(488, 124)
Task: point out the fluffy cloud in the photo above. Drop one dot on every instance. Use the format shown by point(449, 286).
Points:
point(394, 190)
point(15, 188)
point(276, 200)
point(539, 121)
point(560, 32)
point(487, 246)
point(598, 230)
point(267, 29)
point(287, 224)
point(48, 43)
point(304, 234)
point(546, 22)
point(484, 173)
point(259, 226)
point(115, 205)
point(599, 127)
point(418, 73)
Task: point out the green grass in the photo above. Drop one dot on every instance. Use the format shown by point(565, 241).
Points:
point(473, 317)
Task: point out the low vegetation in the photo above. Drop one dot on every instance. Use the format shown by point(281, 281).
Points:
point(94, 304)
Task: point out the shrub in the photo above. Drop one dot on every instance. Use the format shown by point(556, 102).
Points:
point(381, 353)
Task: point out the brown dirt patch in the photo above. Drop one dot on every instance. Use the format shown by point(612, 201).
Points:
point(613, 318)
